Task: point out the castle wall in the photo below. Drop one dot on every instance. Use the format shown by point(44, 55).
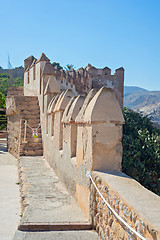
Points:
point(84, 133)
point(32, 80)
point(72, 135)
point(81, 81)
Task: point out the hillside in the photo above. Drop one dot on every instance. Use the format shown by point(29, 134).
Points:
point(143, 101)
point(133, 89)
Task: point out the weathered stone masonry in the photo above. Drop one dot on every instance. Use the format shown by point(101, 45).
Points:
point(22, 108)
point(80, 81)
point(83, 133)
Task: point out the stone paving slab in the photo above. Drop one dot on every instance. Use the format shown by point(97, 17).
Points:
point(57, 235)
point(45, 199)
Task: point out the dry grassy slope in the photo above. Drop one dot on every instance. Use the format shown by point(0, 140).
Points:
point(146, 102)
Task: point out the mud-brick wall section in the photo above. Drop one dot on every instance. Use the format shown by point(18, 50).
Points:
point(132, 202)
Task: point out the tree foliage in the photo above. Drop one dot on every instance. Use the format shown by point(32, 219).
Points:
point(6, 82)
point(2, 100)
point(69, 67)
point(141, 150)
point(20, 67)
point(17, 82)
point(3, 118)
point(55, 64)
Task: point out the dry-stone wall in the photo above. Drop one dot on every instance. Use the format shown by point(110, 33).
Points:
point(20, 110)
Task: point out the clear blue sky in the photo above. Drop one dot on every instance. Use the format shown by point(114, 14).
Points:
point(111, 33)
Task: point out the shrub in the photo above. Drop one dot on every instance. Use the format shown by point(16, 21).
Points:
point(141, 150)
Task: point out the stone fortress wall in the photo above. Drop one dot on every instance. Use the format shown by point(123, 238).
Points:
point(71, 123)
point(80, 81)
point(82, 131)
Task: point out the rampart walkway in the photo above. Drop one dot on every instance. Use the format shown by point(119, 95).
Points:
point(47, 205)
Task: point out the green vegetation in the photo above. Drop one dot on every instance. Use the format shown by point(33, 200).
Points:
point(20, 67)
point(69, 67)
point(5, 83)
point(17, 82)
point(2, 101)
point(3, 118)
point(55, 64)
point(141, 150)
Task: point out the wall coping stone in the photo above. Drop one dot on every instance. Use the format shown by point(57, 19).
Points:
point(144, 202)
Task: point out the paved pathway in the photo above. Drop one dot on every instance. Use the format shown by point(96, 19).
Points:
point(48, 205)
point(10, 208)
point(56, 235)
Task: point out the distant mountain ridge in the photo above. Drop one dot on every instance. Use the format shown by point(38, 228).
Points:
point(143, 101)
point(133, 89)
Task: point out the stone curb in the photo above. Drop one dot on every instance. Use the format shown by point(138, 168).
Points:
point(54, 226)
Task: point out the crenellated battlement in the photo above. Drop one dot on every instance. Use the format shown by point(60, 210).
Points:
point(80, 81)
point(76, 132)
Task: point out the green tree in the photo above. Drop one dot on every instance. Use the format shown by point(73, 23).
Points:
point(4, 83)
point(2, 100)
point(141, 150)
point(1, 67)
point(55, 64)
point(3, 118)
point(20, 67)
point(68, 67)
point(17, 82)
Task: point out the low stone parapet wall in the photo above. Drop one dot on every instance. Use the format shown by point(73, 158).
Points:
point(136, 205)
